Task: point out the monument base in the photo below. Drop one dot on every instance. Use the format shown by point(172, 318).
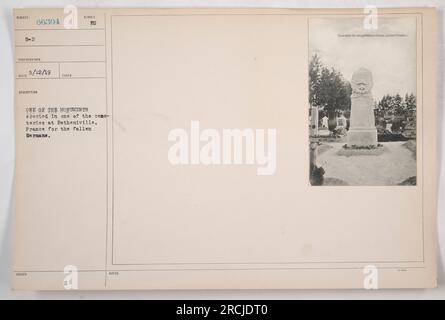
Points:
point(362, 137)
point(324, 132)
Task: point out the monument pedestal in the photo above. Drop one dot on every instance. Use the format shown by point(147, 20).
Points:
point(362, 131)
point(362, 137)
point(314, 121)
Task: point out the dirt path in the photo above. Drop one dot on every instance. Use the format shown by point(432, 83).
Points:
point(393, 166)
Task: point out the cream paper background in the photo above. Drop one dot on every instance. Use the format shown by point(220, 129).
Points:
point(287, 125)
point(225, 214)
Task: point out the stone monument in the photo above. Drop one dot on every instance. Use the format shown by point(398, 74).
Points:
point(341, 122)
point(362, 131)
point(314, 121)
point(324, 122)
point(324, 131)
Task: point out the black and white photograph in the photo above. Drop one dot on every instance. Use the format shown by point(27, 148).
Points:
point(206, 155)
point(362, 101)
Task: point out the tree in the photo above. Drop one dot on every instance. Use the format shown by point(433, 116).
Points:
point(385, 105)
point(410, 105)
point(398, 105)
point(315, 67)
point(328, 89)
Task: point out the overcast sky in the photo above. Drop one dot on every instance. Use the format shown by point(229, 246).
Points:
point(390, 54)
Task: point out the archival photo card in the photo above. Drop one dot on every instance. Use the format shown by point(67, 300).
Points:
point(363, 101)
point(170, 148)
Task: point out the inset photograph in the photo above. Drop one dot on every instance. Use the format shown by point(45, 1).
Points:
point(362, 102)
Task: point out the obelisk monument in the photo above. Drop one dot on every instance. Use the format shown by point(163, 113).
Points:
point(362, 131)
